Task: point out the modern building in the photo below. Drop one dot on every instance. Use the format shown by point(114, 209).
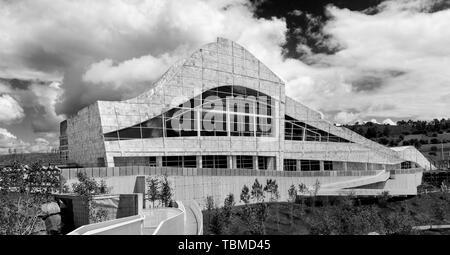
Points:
point(221, 108)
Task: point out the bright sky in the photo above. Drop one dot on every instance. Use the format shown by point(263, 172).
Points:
point(380, 59)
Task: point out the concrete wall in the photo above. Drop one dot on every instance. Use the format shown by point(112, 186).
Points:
point(117, 206)
point(197, 184)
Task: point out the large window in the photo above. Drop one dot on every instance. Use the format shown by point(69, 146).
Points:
point(214, 161)
point(290, 165)
point(300, 131)
point(266, 163)
point(328, 165)
point(222, 111)
point(309, 165)
point(245, 162)
point(179, 161)
point(406, 165)
point(135, 161)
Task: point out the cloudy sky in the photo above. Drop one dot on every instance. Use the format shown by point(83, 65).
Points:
point(351, 60)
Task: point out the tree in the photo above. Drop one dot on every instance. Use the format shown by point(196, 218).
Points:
point(166, 192)
point(371, 132)
point(386, 130)
point(153, 186)
point(292, 194)
point(302, 189)
point(245, 194)
point(227, 212)
point(315, 191)
point(257, 191)
point(272, 188)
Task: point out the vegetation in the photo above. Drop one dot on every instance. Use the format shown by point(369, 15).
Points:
point(159, 189)
point(87, 188)
point(343, 215)
point(23, 189)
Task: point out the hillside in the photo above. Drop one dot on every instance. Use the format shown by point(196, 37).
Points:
point(394, 216)
point(430, 138)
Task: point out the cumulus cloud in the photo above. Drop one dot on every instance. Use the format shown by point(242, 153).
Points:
point(35, 100)
point(136, 70)
point(87, 43)
point(398, 56)
point(392, 62)
point(346, 117)
point(11, 111)
point(10, 142)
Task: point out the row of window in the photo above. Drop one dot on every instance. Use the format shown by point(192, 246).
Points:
point(306, 165)
point(300, 131)
point(208, 161)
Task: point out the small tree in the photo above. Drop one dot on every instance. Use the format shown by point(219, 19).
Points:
point(292, 194)
point(227, 207)
point(166, 192)
point(153, 192)
point(257, 191)
point(302, 190)
point(245, 195)
point(215, 221)
point(315, 191)
point(272, 188)
point(227, 212)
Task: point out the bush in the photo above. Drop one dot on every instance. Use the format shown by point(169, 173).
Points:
point(397, 223)
point(23, 189)
point(87, 188)
point(20, 214)
point(383, 199)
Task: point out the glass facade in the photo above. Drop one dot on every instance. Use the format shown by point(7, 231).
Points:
point(214, 161)
point(328, 165)
point(309, 165)
point(290, 165)
point(300, 131)
point(135, 161)
point(222, 111)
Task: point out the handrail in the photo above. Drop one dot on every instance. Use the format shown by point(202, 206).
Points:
point(164, 222)
point(199, 219)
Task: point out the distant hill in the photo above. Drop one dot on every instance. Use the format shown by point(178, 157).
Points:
point(432, 138)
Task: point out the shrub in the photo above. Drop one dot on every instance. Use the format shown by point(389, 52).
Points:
point(383, 199)
point(87, 188)
point(397, 223)
point(23, 189)
point(20, 214)
point(439, 210)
